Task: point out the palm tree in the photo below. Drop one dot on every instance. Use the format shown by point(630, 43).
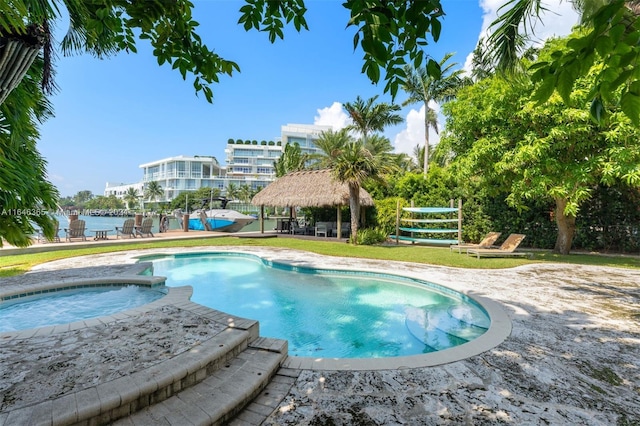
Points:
point(245, 193)
point(424, 88)
point(153, 191)
point(329, 146)
point(511, 29)
point(368, 117)
point(291, 160)
point(232, 191)
point(353, 162)
point(131, 196)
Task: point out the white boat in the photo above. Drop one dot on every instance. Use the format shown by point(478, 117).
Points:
point(219, 220)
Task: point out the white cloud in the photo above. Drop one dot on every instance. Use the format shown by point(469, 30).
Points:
point(413, 134)
point(333, 116)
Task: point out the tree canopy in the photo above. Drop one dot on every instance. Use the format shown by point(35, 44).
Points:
point(610, 36)
point(502, 136)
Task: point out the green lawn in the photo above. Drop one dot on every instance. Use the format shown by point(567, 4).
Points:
point(18, 264)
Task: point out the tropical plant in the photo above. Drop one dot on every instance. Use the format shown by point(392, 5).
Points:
point(611, 32)
point(291, 160)
point(354, 162)
point(153, 191)
point(131, 197)
point(245, 193)
point(232, 192)
point(25, 194)
point(104, 203)
point(424, 88)
point(553, 152)
point(83, 196)
point(368, 116)
point(329, 146)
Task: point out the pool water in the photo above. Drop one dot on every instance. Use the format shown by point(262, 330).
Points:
point(329, 313)
point(72, 305)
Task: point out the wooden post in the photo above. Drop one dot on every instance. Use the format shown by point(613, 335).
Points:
point(339, 224)
point(397, 221)
point(459, 220)
point(262, 218)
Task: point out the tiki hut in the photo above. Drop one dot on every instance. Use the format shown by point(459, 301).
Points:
point(307, 188)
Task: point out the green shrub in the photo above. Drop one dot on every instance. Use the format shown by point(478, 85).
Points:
point(371, 236)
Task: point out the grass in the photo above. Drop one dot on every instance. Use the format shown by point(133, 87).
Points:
point(17, 264)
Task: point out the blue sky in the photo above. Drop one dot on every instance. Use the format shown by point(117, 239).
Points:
point(113, 115)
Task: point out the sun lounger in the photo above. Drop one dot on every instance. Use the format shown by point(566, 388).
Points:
point(486, 243)
point(507, 249)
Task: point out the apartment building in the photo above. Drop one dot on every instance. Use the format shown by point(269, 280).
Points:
point(247, 163)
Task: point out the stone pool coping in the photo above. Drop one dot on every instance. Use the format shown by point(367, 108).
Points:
point(499, 330)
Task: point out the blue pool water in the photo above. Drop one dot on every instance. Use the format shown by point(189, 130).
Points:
point(329, 313)
point(72, 305)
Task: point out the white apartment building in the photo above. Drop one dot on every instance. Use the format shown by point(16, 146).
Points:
point(251, 162)
point(182, 173)
point(119, 190)
point(247, 163)
point(304, 135)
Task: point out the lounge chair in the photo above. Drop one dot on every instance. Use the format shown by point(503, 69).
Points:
point(486, 243)
point(507, 249)
point(126, 230)
point(75, 230)
point(296, 229)
point(145, 228)
point(321, 229)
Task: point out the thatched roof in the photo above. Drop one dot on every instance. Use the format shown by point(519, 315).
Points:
point(308, 188)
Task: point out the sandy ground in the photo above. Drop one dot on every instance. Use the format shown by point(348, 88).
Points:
point(573, 356)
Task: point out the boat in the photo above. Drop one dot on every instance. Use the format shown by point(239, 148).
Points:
point(219, 220)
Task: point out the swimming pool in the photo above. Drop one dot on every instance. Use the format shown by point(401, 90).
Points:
point(329, 313)
point(66, 305)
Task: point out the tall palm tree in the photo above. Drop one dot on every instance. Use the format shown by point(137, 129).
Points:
point(423, 88)
point(329, 146)
point(368, 117)
point(153, 191)
point(353, 162)
point(245, 193)
point(131, 197)
point(232, 191)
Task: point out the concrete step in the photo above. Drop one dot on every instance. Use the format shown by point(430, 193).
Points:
point(268, 400)
point(220, 396)
point(119, 398)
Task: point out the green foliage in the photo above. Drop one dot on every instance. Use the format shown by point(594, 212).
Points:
point(104, 203)
point(25, 194)
point(386, 213)
point(393, 34)
point(369, 117)
point(291, 160)
point(610, 222)
point(542, 155)
point(372, 236)
point(612, 40)
point(422, 87)
point(153, 191)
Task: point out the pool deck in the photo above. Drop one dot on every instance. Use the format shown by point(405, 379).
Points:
point(571, 357)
